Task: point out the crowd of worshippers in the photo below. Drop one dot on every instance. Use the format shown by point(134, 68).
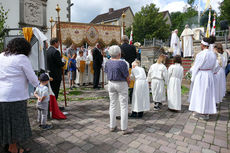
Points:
point(126, 80)
point(208, 83)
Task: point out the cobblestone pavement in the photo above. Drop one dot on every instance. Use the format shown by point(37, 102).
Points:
point(86, 130)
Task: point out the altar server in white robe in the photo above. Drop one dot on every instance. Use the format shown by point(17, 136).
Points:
point(89, 62)
point(220, 74)
point(175, 75)
point(187, 41)
point(175, 43)
point(140, 97)
point(81, 62)
point(203, 92)
point(158, 76)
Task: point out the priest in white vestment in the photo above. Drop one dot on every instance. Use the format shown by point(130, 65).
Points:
point(175, 43)
point(140, 97)
point(187, 41)
point(203, 92)
point(175, 75)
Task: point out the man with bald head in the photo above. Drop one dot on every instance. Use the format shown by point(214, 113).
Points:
point(129, 51)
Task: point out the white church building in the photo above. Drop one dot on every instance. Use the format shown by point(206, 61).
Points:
point(34, 13)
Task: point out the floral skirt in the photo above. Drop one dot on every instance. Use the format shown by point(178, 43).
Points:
point(14, 122)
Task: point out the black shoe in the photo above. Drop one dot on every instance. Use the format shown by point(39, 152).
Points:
point(46, 127)
point(156, 108)
point(118, 117)
point(140, 114)
point(133, 115)
point(61, 108)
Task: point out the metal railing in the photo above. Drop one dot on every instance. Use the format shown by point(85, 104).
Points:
point(155, 43)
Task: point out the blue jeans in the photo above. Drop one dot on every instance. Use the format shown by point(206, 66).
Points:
point(227, 70)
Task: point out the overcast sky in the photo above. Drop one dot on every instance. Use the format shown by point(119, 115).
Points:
point(86, 10)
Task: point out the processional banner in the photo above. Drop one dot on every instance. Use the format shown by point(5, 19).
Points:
point(81, 33)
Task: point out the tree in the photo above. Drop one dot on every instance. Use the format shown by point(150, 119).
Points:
point(180, 19)
point(225, 10)
point(149, 24)
point(3, 17)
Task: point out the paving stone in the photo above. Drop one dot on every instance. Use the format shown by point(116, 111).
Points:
point(74, 150)
point(87, 147)
point(65, 145)
point(224, 150)
point(207, 151)
point(220, 143)
point(167, 149)
point(146, 149)
point(135, 144)
point(196, 137)
point(87, 130)
point(64, 134)
point(183, 149)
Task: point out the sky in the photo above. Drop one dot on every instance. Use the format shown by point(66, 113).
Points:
point(86, 10)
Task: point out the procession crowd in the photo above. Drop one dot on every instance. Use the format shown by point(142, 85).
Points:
point(124, 77)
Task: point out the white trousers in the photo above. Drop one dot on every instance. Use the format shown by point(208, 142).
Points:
point(118, 93)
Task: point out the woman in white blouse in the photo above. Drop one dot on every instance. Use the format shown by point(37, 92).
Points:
point(15, 74)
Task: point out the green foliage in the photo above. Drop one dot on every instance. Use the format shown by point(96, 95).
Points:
point(149, 23)
point(179, 19)
point(225, 10)
point(3, 17)
point(184, 90)
point(191, 2)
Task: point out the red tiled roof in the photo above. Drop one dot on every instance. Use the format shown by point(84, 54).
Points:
point(116, 14)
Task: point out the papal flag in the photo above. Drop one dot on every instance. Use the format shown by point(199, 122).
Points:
point(131, 38)
point(213, 32)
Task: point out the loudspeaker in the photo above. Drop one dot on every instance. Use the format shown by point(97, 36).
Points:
point(224, 25)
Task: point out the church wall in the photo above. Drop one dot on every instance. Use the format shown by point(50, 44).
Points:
point(14, 13)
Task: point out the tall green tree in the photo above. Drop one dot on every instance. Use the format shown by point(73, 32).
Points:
point(3, 17)
point(180, 19)
point(149, 24)
point(225, 10)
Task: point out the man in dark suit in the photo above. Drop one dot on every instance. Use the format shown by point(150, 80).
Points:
point(129, 51)
point(55, 64)
point(130, 54)
point(97, 64)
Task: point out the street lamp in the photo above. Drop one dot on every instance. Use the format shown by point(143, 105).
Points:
point(123, 19)
point(51, 23)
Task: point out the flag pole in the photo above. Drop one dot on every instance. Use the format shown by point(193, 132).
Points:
point(60, 40)
point(199, 14)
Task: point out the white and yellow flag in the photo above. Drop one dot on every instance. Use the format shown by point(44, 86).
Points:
point(207, 6)
point(209, 25)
